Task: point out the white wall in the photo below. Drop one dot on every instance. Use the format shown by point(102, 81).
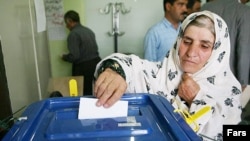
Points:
point(144, 13)
point(26, 60)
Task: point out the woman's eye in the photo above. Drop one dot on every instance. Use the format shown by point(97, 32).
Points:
point(187, 42)
point(205, 46)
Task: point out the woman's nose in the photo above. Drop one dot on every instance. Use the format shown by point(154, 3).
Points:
point(192, 50)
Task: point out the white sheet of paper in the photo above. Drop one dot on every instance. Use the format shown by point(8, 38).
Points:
point(89, 110)
point(40, 15)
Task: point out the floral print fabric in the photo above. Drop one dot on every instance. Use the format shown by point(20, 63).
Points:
point(219, 88)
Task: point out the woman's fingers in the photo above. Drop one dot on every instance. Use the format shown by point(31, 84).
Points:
point(117, 92)
point(100, 85)
point(109, 88)
point(188, 88)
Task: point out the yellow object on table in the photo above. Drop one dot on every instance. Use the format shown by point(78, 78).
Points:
point(73, 87)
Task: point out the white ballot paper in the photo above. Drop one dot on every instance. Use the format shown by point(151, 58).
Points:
point(89, 110)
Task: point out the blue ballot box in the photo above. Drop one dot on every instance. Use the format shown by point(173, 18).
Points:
point(150, 117)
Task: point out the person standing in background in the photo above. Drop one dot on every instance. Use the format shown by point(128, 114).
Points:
point(193, 6)
point(237, 18)
point(83, 50)
point(161, 37)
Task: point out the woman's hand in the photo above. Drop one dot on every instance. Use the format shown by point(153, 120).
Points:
point(188, 88)
point(109, 87)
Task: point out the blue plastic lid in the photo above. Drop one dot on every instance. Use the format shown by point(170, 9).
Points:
point(150, 117)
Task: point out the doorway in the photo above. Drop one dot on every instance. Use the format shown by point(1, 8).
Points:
point(5, 105)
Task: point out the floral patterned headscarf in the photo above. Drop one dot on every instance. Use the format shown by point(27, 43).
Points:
point(217, 66)
point(219, 58)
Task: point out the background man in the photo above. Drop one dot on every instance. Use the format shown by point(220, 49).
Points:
point(161, 37)
point(83, 50)
point(193, 6)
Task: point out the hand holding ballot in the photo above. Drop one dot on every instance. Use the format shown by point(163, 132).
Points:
point(89, 110)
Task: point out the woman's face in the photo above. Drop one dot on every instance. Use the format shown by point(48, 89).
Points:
point(195, 48)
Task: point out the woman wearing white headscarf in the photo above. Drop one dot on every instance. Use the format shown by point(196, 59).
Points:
point(195, 76)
